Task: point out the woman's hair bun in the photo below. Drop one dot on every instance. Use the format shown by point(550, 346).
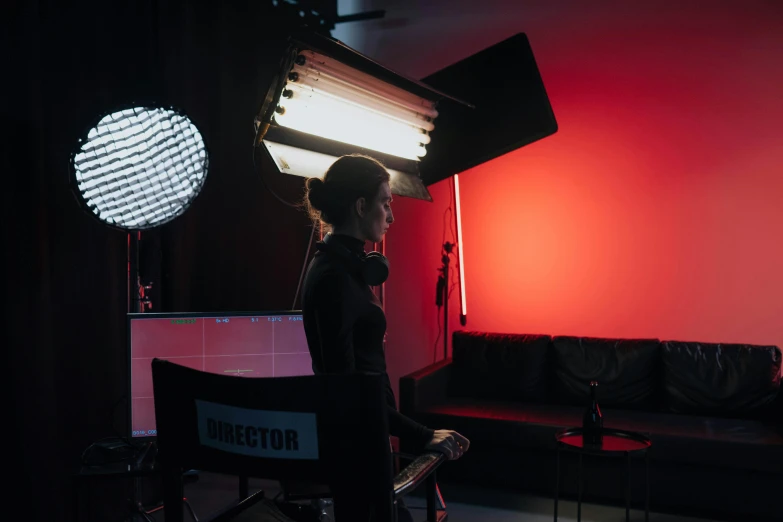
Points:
point(328, 200)
point(316, 189)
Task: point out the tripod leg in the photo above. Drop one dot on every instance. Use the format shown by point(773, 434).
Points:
point(432, 510)
point(137, 511)
point(190, 508)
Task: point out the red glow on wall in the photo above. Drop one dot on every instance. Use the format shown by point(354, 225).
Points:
point(655, 211)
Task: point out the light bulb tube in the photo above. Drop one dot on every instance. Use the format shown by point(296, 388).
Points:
point(360, 98)
point(343, 123)
point(303, 95)
point(355, 77)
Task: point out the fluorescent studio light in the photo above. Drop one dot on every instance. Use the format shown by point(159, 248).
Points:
point(327, 100)
point(323, 117)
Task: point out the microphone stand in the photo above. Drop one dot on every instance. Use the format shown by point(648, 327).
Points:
point(442, 294)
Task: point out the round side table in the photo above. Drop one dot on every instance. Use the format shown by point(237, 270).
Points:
point(615, 443)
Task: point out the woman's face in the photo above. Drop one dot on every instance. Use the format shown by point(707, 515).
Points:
point(377, 215)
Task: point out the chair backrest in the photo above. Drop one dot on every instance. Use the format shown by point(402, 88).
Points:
point(330, 429)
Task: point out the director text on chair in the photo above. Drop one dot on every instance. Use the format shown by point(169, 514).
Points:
point(329, 429)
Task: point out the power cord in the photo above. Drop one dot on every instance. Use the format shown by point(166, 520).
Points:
point(447, 225)
point(110, 450)
point(147, 513)
point(452, 226)
point(452, 285)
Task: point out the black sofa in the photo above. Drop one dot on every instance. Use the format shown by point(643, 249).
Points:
point(714, 413)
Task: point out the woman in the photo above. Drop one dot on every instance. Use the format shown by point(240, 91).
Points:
point(343, 319)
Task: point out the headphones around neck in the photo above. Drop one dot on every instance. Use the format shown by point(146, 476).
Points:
point(373, 267)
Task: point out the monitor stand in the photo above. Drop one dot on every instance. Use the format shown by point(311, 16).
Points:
point(147, 455)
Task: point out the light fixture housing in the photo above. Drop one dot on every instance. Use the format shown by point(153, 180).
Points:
point(139, 167)
point(512, 109)
point(328, 100)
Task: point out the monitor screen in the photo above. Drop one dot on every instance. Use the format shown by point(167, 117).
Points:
point(262, 344)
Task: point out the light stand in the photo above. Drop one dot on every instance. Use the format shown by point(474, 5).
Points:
point(136, 507)
point(124, 176)
point(139, 300)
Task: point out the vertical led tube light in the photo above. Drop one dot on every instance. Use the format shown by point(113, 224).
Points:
point(463, 313)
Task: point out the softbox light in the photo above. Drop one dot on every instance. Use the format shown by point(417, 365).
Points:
point(328, 100)
point(140, 167)
point(137, 168)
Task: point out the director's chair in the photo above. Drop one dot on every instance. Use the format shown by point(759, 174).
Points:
point(324, 429)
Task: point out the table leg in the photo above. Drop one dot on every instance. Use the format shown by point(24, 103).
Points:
point(647, 480)
point(628, 488)
point(557, 479)
point(579, 497)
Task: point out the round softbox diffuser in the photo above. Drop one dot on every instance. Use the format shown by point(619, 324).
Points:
point(139, 168)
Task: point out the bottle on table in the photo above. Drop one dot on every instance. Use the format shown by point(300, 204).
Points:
point(593, 420)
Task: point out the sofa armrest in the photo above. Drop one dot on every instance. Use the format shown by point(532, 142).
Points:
point(425, 388)
point(777, 412)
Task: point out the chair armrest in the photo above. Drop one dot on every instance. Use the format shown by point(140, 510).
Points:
point(425, 388)
point(416, 472)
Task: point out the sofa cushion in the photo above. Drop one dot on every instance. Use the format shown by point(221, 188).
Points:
point(500, 366)
point(627, 371)
point(729, 380)
point(504, 423)
point(726, 443)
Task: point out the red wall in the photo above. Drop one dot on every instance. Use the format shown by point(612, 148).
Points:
point(655, 211)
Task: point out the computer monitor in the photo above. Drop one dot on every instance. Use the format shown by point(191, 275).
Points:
point(244, 344)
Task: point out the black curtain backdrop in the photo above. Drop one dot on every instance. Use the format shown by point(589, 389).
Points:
point(236, 247)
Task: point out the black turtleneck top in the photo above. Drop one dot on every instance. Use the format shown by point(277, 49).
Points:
point(345, 328)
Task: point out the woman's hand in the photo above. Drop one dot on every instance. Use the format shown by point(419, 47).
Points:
point(448, 442)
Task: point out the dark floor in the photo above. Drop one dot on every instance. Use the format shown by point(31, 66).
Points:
point(211, 493)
